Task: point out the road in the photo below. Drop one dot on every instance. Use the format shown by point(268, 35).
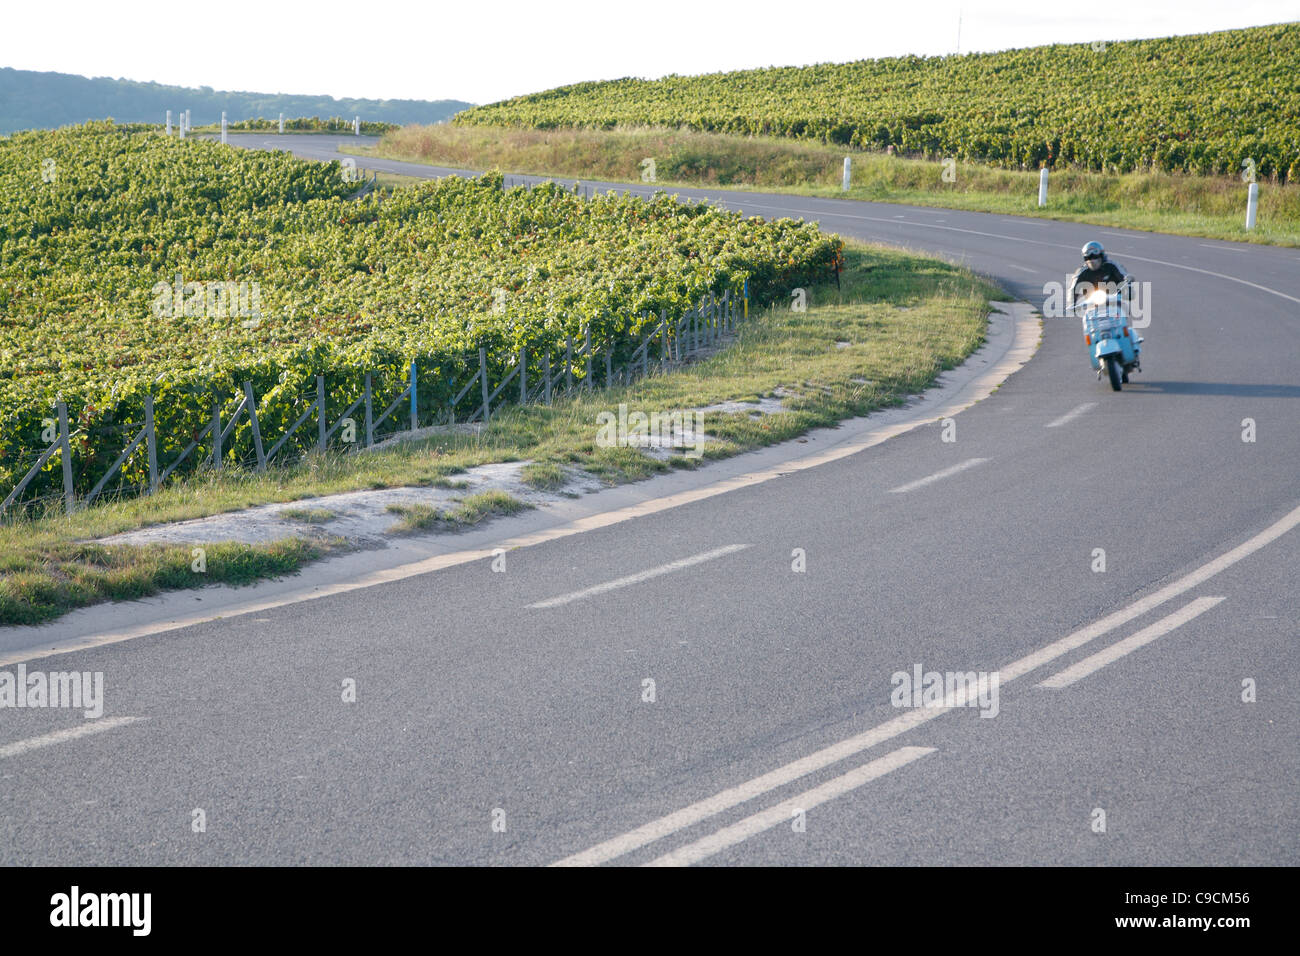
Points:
point(507, 718)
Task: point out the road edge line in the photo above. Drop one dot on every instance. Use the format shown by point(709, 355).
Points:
point(1023, 344)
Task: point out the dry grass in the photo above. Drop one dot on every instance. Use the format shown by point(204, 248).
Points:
point(1210, 206)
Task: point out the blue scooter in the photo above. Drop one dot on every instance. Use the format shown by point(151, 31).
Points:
point(1114, 347)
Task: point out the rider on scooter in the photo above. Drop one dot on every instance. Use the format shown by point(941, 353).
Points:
point(1100, 272)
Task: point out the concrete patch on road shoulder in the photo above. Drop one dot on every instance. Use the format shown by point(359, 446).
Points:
point(362, 518)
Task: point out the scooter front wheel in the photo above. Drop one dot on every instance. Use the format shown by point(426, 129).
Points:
point(1115, 371)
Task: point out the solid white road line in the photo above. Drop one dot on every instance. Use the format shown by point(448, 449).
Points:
point(59, 736)
point(937, 476)
point(1022, 268)
point(639, 577)
point(1042, 242)
point(782, 812)
point(1071, 415)
point(1094, 663)
point(703, 809)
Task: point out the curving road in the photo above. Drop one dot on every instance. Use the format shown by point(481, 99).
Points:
point(505, 719)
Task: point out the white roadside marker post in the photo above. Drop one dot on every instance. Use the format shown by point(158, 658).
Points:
point(281, 124)
point(356, 126)
point(848, 172)
point(169, 122)
point(1252, 205)
point(1042, 187)
point(223, 128)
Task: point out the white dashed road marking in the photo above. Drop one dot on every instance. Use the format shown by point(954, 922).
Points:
point(60, 736)
point(1071, 415)
point(937, 476)
point(639, 577)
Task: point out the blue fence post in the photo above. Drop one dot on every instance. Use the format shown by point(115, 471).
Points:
point(65, 452)
point(415, 408)
point(321, 419)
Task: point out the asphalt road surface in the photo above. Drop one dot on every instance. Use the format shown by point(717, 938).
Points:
point(510, 718)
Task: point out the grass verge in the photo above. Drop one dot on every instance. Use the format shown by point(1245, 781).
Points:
point(895, 323)
point(544, 476)
point(308, 515)
point(1183, 204)
point(52, 575)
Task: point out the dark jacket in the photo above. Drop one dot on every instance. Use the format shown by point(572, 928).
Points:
point(1108, 272)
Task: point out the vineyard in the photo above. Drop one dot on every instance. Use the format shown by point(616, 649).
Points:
point(1202, 104)
point(133, 265)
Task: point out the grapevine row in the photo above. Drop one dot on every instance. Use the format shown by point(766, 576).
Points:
point(1202, 104)
point(143, 265)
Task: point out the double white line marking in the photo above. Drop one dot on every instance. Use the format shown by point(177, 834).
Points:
point(734, 796)
point(1090, 665)
point(782, 812)
point(695, 813)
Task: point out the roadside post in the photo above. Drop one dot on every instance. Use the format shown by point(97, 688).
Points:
point(415, 408)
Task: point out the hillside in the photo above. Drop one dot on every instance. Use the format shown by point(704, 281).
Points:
point(1203, 104)
point(36, 100)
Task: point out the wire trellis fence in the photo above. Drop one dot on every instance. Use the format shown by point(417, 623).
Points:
point(439, 390)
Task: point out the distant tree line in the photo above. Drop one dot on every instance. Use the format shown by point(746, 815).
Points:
point(36, 100)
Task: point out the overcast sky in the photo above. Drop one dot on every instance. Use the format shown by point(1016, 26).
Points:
point(488, 51)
